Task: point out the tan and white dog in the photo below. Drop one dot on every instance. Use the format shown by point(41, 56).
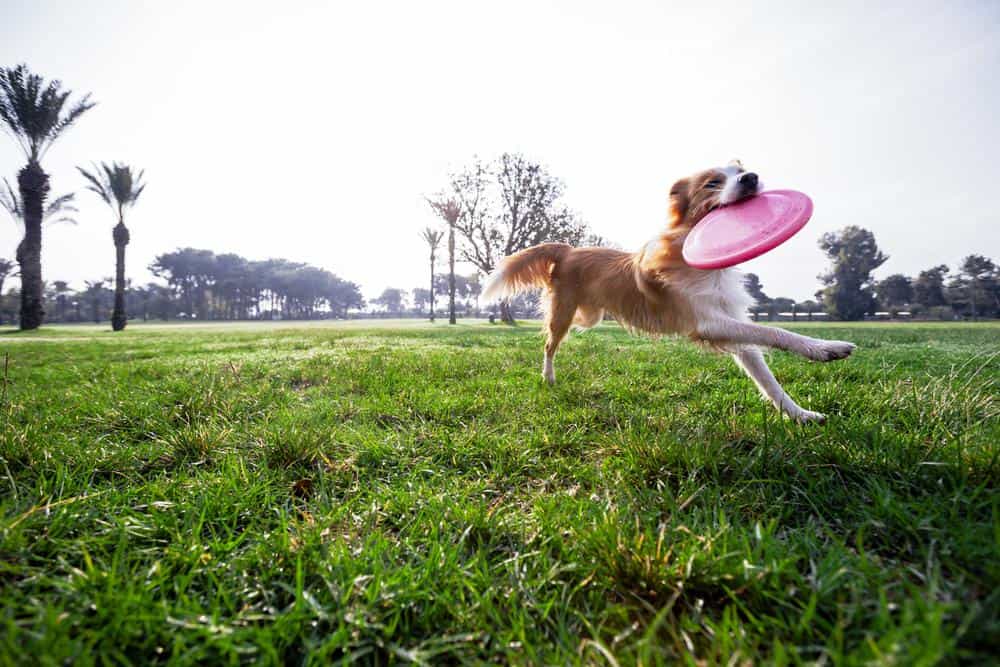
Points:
point(656, 291)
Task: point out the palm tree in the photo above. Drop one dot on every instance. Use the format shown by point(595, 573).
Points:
point(60, 288)
point(119, 186)
point(35, 114)
point(449, 210)
point(433, 238)
point(60, 209)
point(94, 292)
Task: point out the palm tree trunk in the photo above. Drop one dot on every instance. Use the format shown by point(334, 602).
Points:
point(34, 186)
point(121, 237)
point(432, 285)
point(451, 274)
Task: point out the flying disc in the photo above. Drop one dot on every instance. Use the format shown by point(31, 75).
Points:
point(739, 232)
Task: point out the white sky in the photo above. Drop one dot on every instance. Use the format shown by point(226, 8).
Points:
point(312, 130)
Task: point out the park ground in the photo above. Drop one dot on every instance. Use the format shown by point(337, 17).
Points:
point(393, 492)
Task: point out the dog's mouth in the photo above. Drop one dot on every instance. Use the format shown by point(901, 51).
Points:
point(739, 188)
point(742, 196)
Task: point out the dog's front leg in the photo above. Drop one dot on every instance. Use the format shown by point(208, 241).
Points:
point(751, 360)
point(728, 330)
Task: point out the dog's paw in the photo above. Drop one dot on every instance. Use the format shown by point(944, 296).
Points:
point(830, 350)
point(807, 416)
point(549, 378)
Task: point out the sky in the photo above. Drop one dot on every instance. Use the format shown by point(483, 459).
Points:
point(314, 130)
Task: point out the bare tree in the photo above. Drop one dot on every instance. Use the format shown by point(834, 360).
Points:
point(509, 206)
point(470, 188)
point(433, 238)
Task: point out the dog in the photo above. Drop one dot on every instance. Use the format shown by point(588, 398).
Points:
point(655, 291)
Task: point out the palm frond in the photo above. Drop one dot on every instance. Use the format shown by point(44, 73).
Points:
point(119, 185)
point(432, 237)
point(96, 185)
point(71, 117)
point(33, 112)
point(11, 202)
point(62, 206)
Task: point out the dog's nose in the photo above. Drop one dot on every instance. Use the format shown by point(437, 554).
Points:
point(749, 179)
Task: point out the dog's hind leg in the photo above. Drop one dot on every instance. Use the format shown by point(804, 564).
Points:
point(561, 312)
point(751, 360)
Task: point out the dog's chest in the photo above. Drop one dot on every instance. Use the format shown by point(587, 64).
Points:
point(720, 291)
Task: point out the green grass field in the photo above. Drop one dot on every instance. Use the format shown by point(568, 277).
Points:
point(400, 492)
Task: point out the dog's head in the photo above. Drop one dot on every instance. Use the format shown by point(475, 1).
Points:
point(693, 197)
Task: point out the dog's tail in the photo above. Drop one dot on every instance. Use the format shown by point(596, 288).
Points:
point(524, 271)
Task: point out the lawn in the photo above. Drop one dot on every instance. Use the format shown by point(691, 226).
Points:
point(406, 492)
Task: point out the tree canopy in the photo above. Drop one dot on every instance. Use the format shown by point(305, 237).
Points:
point(35, 112)
point(849, 293)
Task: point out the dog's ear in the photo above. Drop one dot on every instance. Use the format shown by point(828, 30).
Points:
point(680, 198)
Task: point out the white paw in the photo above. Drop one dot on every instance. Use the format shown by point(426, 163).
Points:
point(806, 416)
point(830, 350)
point(549, 377)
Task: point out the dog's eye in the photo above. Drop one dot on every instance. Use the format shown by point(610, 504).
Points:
point(715, 182)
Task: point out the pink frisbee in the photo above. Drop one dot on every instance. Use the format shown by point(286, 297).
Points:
point(739, 232)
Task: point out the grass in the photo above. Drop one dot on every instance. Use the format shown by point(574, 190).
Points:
point(381, 493)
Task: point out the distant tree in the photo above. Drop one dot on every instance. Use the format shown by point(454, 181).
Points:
point(848, 294)
point(95, 296)
point(6, 269)
point(756, 290)
point(230, 280)
point(809, 307)
point(35, 114)
point(895, 291)
point(779, 305)
point(9, 305)
point(391, 299)
point(119, 186)
point(433, 239)
point(159, 301)
point(61, 290)
point(189, 271)
point(508, 206)
point(449, 210)
point(421, 298)
point(474, 287)
point(978, 280)
point(928, 288)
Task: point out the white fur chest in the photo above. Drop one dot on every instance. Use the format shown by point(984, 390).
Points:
point(720, 291)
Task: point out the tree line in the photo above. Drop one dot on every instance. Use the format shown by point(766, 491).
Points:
point(202, 285)
point(850, 291)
